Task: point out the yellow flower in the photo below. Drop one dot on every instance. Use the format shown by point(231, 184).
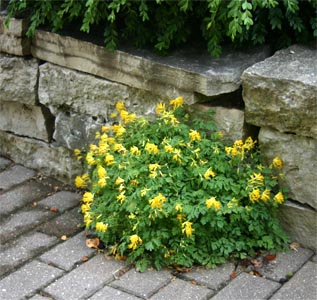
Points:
point(105, 129)
point(279, 198)
point(87, 218)
point(97, 135)
point(101, 227)
point(209, 173)
point(154, 167)
point(135, 150)
point(194, 135)
point(88, 197)
point(102, 182)
point(265, 195)
point(151, 148)
point(212, 202)
point(120, 106)
point(249, 143)
point(277, 163)
point(119, 148)
point(256, 179)
point(187, 228)
point(93, 148)
point(134, 182)
point(103, 148)
point(178, 207)
point(254, 195)
point(109, 159)
point(238, 144)
point(144, 191)
point(121, 188)
point(220, 134)
point(134, 241)
point(160, 108)
point(90, 159)
point(121, 197)
point(85, 208)
point(101, 172)
point(77, 152)
point(168, 149)
point(113, 115)
point(157, 201)
point(119, 180)
point(177, 102)
point(81, 181)
point(118, 129)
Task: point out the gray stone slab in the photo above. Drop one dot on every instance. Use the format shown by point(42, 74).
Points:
point(143, 284)
point(69, 223)
point(62, 200)
point(69, 253)
point(21, 222)
point(22, 195)
point(287, 264)
point(185, 290)
point(245, 287)
point(109, 293)
point(27, 280)
point(314, 258)
point(39, 297)
point(214, 278)
point(300, 287)
point(23, 249)
point(85, 280)
point(4, 163)
point(15, 175)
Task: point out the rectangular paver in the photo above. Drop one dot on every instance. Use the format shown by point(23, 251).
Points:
point(14, 175)
point(62, 200)
point(108, 293)
point(67, 254)
point(246, 286)
point(24, 249)
point(85, 280)
point(300, 287)
point(142, 284)
point(27, 280)
point(185, 290)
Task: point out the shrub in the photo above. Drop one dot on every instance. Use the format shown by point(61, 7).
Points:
point(169, 192)
point(165, 24)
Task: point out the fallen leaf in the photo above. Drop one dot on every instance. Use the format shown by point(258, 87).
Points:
point(84, 258)
point(256, 263)
point(194, 282)
point(270, 257)
point(64, 237)
point(233, 275)
point(294, 246)
point(54, 209)
point(93, 243)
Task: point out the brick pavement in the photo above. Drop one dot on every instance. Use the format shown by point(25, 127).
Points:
point(35, 263)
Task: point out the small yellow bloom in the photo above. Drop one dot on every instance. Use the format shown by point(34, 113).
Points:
point(178, 207)
point(119, 148)
point(160, 108)
point(177, 102)
point(187, 228)
point(277, 163)
point(212, 202)
point(134, 182)
point(77, 152)
point(209, 173)
point(87, 218)
point(194, 135)
point(118, 129)
point(168, 149)
point(154, 167)
point(109, 159)
point(134, 241)
point(144, 191)
point(151, 148)
point(85, 208)
point(88, 197)
point(120, 106)
point(135, 150)
point(254, 195)
point(113, 115)
point(105, 129)
point(81, 181)
point(121, 197)
point(101, 227)
point(119, 180)
point(279, 198)
point(102, 172)
point(157, 201)
point(265, 195)
point(121, 188)
point(102, 182)
point(249, 143)
point(93, 148)
point(256, 179)
point(90, 159)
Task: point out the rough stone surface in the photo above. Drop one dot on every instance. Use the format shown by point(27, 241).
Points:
point(301, 286)
point(4, 163)
point(51, 160)
point(143, 284)
point(280, 92)
point(300, 164)
point(184, 290)
point(22, 119)
point(18, 79)
point(17, 27)
point(108, 293)
point(39, 297)
point(27, 280)
point(23, 249)
point(62, 200)
point(20, 46)
point(14, 175)
point(246, 286)
point(300, 223)
point(96, 272)
point(140, 69)
point(66, 255)
point(214, 278)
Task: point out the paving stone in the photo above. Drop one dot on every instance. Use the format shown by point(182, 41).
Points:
point(84, 280)
point(287, 263)
point(22, 195)
point(15, 175)
point(23, 249)
point(4, 163)
point(214, 278)
point(300, 287)
point(108, 293)
point(21, 222)
point(27, 280)
point(67, 254)
point(62, 200)
point(184, 290)
point(245, 287)
point(39, 297)
point(69, 223)
point(314, 258)
point(142, 284)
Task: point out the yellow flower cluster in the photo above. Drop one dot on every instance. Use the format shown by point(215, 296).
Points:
point(101, 227)
point(135, 240)
point(187, 228)
point(277, 163)
point(239, 147)
point(209, 173)
point(157, 201)
point(212, 202)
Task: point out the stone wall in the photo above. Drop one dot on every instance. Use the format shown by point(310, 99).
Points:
point(55, 97)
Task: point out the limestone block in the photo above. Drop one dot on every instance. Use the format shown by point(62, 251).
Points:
point(86, 94)
point(20, 46)
point(230, 121)
point(17, 27)
point(23, 119)
point(182, 73)
point(280, 92)
point(300, 223)
point(300, 165)
point(57, 162)
point(18, 79)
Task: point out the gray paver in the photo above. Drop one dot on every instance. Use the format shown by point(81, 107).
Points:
point(300, 287)
point(15, 175)
point(4, 163)
point(69, 223)
point(108, 293)
point(27, 280)
point(142, 284)
point(22, 195)
point(20, 223)
point(287, 263)
point(23, 249)
point(39, 297)
point(185, 290)
point(85, 280)
point(246, 286)
point(314, 258)
point(214, 278)
point(62, 200)
point(67, 254)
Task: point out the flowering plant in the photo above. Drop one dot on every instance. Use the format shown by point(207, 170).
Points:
point(168, 193)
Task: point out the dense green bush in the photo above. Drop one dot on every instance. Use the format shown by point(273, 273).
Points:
point(165, 24)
